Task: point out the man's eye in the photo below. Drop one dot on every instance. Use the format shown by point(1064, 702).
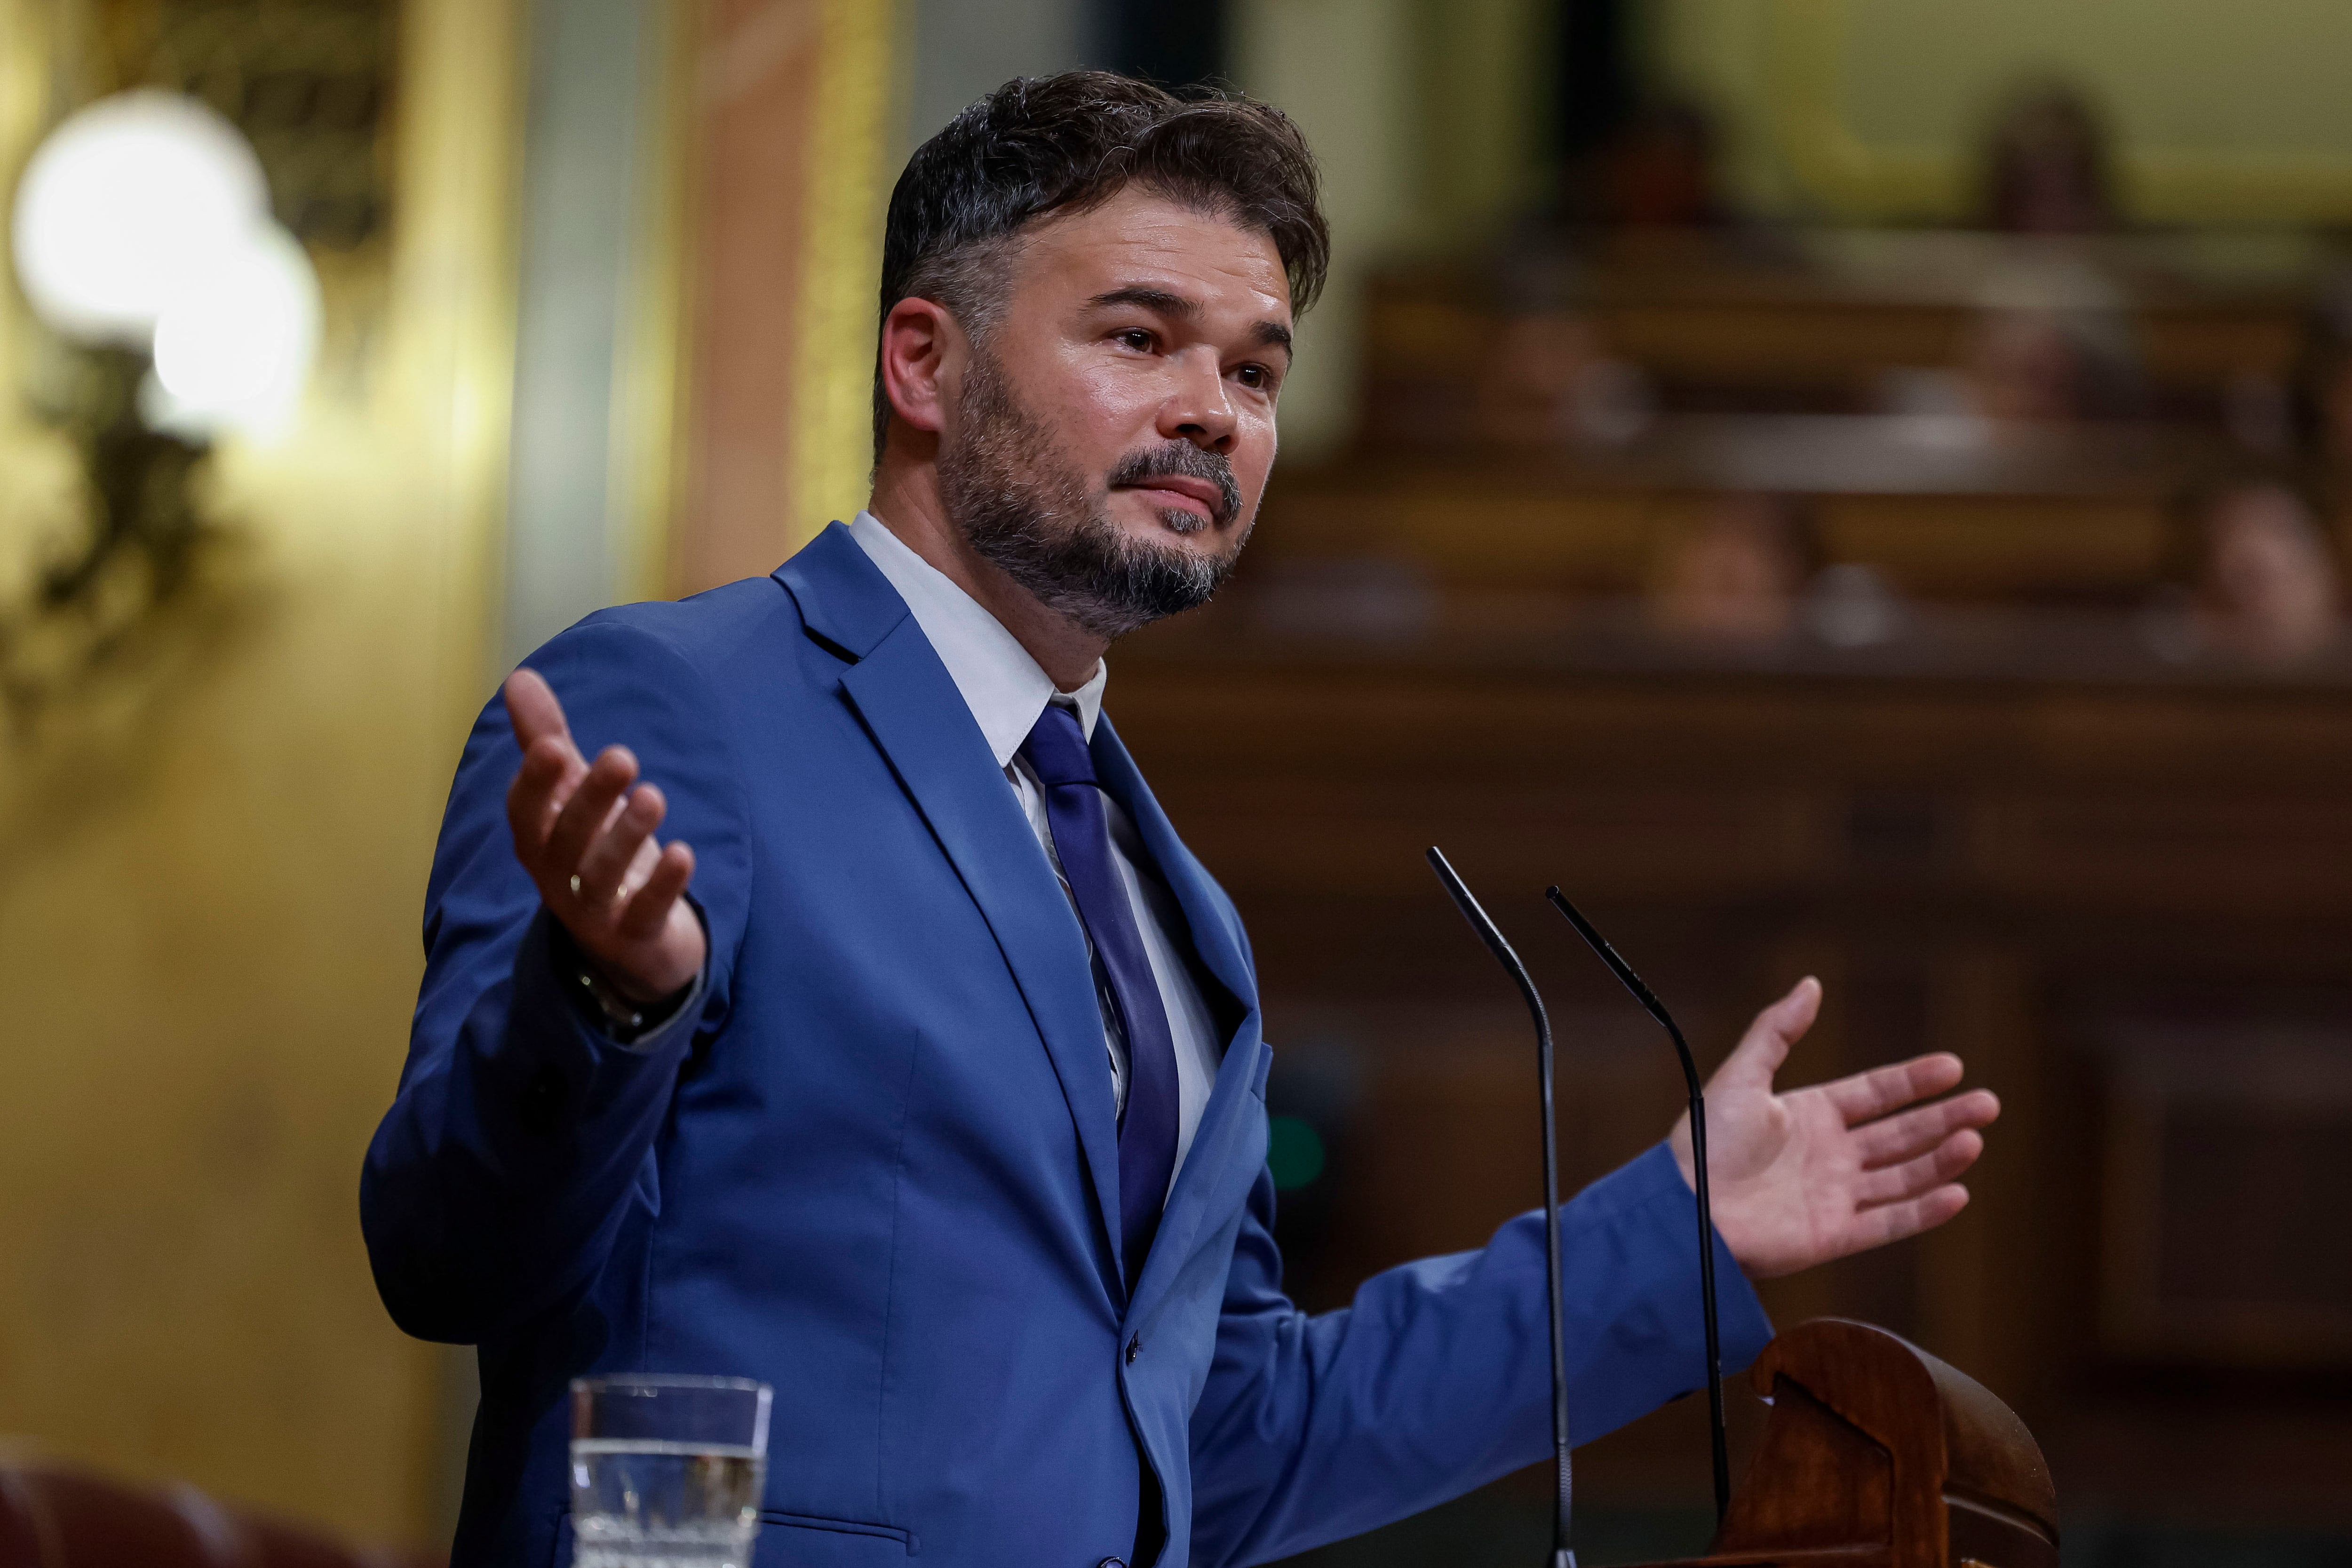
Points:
point(1136, 338)
point(1253, 376)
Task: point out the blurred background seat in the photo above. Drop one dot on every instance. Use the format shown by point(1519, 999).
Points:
point(52, 1516)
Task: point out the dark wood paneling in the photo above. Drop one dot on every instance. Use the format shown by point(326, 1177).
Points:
point(2014, 870)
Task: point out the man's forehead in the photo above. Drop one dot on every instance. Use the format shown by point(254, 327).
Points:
point(1138, 242)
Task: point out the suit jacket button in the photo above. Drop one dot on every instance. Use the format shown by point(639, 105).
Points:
point(1112, 1563)
point(1134, 1349)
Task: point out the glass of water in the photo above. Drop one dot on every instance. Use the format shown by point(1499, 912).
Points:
point(667, 1472)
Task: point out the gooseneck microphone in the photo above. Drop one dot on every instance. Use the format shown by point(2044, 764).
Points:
point(1562, 1556)
point(1657, 1009)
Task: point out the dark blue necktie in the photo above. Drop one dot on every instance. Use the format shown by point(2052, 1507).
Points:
point(1057, 750)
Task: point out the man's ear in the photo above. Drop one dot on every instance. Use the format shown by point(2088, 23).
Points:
point(922, 352)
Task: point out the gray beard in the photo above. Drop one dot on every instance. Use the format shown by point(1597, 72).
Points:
point(1028, 516)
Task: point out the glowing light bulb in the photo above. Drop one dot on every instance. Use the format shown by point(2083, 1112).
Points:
point(233, 347)
point(122, 204)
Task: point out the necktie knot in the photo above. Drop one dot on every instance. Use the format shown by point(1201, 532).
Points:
point(1056, 749)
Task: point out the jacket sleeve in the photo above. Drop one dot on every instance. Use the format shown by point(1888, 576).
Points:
point(1437, 1377)
point(496, 1181)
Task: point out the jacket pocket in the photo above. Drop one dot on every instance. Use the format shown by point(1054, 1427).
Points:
point(797, 1540)
point(802, 1538)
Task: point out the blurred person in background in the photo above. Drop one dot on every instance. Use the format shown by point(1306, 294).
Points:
point(2046, 165)
point(2256, 576)
point(2330, 418)
point(921, 1075)
point(2051, 344)
point(1657, 171)
point(1547, 379)
point(2034, 366)
point(1735, 574)
point(2323, 386)
point(1648, 169)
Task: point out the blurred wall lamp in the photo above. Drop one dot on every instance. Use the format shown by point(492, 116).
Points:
point(142, 237)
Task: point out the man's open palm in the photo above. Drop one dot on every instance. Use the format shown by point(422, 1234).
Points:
point(585, 834)
point(1815, 1173)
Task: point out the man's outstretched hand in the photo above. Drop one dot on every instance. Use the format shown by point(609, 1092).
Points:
point(1815, 1173)
point(586, 836)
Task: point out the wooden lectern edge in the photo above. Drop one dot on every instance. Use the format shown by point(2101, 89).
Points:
point(1877, 1455)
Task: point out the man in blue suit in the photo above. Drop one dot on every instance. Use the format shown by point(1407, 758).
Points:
point(918, 1072)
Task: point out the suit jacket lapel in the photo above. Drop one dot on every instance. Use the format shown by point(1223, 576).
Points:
point(916, 715)
point(1217, 940)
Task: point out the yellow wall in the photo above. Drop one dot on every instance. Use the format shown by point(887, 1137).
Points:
point(2226, 112)
point(1427, 119)
point(211, 866)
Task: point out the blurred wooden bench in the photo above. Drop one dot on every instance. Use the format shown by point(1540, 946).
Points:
point(1810, 319)
point(2053, 520)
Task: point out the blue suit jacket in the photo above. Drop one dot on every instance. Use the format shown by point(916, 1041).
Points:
point(882, 1176)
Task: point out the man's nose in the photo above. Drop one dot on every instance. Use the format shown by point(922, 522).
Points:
point(1199, 411)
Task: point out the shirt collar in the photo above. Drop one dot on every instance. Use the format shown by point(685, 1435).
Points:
point(1005, 688)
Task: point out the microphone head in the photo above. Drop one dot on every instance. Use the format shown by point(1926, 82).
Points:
point(1488, 932)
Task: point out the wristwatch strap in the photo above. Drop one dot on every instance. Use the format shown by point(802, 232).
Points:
point(622, 1020)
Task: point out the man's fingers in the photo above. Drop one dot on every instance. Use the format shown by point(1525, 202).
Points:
point(1943, 1163)
point(551, 770)
point(1766, 1045)
point(589, 811)
point(586, 832)
point(534, 712)
point(1914, 1133)
point(551, 765)
point(1867, 1096)
point(647, 911)
point(641, 865)
point(605, 868)
point(1893, 1222)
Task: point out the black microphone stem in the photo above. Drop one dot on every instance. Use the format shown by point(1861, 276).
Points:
point(1562, 1556)
point(1657, 1009)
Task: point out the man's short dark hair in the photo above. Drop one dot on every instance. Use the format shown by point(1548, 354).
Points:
point(1068, 144)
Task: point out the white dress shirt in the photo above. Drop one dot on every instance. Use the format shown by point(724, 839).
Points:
point(1006, 690)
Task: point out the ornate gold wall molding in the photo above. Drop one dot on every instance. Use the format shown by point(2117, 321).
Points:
point(848, 190)
point(650, 396)
point(445, 384)
point(793, 108)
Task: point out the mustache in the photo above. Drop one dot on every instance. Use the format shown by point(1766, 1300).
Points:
point(1182, 460)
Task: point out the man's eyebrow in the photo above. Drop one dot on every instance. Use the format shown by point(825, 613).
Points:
point(1272, 335)
point(1178, 307)
point(1174, 306)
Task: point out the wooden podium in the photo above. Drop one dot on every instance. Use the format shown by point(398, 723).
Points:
point(1877, 1454)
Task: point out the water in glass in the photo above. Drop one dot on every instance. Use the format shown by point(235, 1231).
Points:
point(640, 1502)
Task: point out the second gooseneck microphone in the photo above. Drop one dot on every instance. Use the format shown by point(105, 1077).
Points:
point(1657, 1009)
